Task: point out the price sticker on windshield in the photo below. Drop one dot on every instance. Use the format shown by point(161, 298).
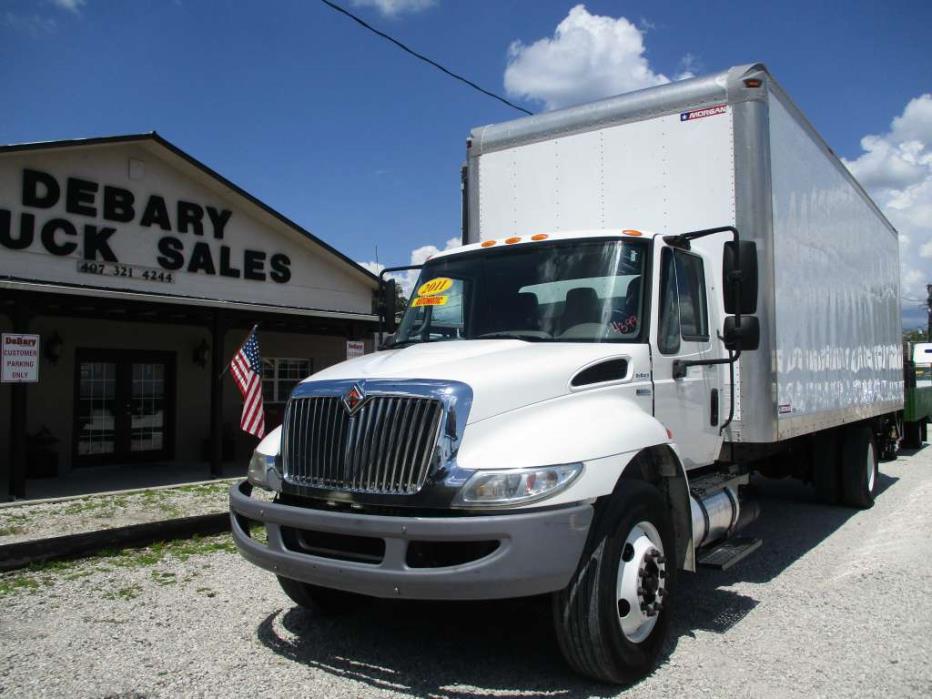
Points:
point(435, 286)
point(430, 301)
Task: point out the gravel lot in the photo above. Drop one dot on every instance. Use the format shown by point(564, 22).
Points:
point(836, 603)
point(28, 521)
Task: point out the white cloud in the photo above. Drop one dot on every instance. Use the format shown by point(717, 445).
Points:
point(418, 257)
point(34, 25)
point(588, 57)
point(391, 8)
point(70, 5)
point(896, 168)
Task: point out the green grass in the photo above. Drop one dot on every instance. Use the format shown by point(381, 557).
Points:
point(168, 502)
point(17, 583)
point(163, 578)
point(14, 523)
point(125, 593)
point(37, 575)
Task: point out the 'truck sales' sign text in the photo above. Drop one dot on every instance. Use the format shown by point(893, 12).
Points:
point(179, 228)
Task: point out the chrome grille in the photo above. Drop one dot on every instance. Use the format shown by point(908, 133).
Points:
point(385, 446)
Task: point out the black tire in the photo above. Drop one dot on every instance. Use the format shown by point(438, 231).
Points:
point(323, 600)
point(912, 435)
point(586, 613)
point(825, 467)
point(859, 467)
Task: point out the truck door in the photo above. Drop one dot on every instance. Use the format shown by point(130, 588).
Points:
point(690, 407)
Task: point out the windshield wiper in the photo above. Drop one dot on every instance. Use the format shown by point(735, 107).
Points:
point(530, 337)
point(403, 343)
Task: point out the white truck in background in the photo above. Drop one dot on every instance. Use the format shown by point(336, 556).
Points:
point(658, 293)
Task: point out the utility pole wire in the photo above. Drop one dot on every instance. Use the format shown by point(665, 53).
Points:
point(422, 57)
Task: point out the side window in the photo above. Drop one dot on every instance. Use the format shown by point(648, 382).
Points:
point(668, 330)
point(683, 310)
point(690, 284)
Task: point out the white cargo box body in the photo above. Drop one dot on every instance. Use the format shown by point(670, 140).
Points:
point(715, 151)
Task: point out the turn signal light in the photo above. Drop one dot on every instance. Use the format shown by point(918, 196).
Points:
point(753, 82)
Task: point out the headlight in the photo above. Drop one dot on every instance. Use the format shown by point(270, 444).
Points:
point(262, 472)
point(516, 486)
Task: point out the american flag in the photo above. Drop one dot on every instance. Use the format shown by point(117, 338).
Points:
point(246, 369)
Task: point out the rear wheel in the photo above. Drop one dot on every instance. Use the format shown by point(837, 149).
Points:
point(611, 620)
point(320, 599)
point(859, 467)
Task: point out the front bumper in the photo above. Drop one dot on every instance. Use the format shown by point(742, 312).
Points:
point(537, 551)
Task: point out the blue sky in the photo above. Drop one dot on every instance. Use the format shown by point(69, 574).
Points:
point(362, 144)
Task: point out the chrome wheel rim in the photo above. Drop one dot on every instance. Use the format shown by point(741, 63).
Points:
point(871, 468)
point(641, 584)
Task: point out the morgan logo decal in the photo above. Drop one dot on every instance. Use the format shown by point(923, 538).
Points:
point(704, 112)
point(353, 398)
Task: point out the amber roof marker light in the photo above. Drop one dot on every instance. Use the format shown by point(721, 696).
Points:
point(512, 240)
point(487, 243)
point(539, 236)
point(632, 232)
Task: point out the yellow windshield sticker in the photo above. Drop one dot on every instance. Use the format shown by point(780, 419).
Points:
point(430, 301)
point(435, 286)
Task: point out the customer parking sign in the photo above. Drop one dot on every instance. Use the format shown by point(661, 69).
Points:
point(20, 358)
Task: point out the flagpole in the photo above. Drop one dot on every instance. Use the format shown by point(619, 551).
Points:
point(227, 367)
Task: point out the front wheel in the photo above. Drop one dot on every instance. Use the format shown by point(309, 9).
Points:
point(320, 599)
point(611, 620)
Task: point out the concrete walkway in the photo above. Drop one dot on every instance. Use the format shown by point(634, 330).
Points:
point(102, 479)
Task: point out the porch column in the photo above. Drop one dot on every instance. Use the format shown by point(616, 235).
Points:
point(13, 473)
point(217, 334)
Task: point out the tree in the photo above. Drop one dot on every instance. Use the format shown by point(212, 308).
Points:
point(402, 303)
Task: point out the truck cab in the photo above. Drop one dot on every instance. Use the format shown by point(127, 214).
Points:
point(541, 396)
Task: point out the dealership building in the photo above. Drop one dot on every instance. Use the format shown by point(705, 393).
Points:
point(141, 271)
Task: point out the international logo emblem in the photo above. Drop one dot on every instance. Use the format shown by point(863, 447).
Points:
point(353, 398)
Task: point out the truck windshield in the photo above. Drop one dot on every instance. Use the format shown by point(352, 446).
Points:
point(558, 291)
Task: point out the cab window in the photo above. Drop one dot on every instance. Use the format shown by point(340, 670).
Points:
point(683, 308)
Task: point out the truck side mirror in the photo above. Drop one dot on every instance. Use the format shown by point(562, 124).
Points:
point(388, 305)
point(743, 337)
point(745, 272)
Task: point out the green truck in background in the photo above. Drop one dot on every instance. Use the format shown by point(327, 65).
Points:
point(917, 407)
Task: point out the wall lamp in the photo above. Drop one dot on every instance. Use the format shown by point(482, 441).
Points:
point(200, 353)
point(53, 348)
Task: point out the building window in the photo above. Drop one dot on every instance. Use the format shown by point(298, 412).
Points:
point(280, 375)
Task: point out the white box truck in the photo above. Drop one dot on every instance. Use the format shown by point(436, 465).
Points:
point(657, 294)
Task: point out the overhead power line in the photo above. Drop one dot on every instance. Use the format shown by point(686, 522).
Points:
point(422, 57)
